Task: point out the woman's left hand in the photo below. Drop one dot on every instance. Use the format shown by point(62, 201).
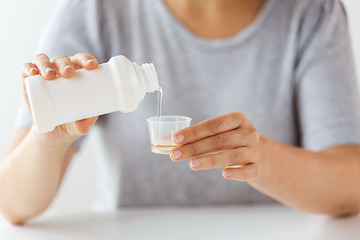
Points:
point(228, 141)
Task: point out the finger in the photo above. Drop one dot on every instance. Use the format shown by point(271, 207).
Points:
point(64, 66)
point(84, 60)
point(45, 67)
point(247, 173)
point(29, 69)
point(239, 156)
point(83, 126)
point(92, 121)
point(223, 141)
point(210, 127)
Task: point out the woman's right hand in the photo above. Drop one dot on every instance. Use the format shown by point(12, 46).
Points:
point(64, 67)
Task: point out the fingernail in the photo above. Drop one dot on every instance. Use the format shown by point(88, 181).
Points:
point(48, 70)
point(32, 70)
point(68, 67)
point(227, 173)
point(175, 154)
point(194, 163)
point(90, 61)
point(179, 139)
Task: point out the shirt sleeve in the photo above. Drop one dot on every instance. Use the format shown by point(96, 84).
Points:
point(327, 93)
point(74, 26)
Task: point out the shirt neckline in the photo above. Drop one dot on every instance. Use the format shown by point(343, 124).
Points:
point(214, 44)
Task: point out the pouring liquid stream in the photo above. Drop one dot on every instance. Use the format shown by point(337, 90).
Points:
point(160, 94)
point(161, 149)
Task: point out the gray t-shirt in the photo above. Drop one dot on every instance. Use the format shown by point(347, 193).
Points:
point(291, 72)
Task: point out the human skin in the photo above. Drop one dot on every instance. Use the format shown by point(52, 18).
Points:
point(319, 182)
point(326, 182)
point(34, 165)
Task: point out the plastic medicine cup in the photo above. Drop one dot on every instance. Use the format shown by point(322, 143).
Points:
point(162, 130)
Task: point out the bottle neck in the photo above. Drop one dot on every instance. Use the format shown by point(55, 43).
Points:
point(147, 76)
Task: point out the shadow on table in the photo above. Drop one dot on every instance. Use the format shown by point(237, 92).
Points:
point(347, 228)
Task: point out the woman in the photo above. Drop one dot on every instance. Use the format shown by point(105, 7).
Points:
point(274, 79)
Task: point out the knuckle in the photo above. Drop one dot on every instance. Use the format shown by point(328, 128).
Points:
point(211, 162)
point(241, 114)
point(79, 55)
point(60, 59)
point(193, 150)
point(236, 115)
point(242, 117)
point(221, 141)
point(240, 155)
point(41, 57)
point(63, 58)
point(84, 55)
point(194, 132)
point(215, 126)
point(255, 136)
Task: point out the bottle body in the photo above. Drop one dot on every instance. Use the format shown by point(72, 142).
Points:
point(114, 86)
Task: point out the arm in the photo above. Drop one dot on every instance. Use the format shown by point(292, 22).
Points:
point(327, 109)
point(321, 182)
point(33, 168)
point(30, 175)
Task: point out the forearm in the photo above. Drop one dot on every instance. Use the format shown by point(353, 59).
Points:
point(322, 182)
point(30, 176)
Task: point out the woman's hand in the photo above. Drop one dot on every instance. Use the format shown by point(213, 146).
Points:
point(228, 141)
point(64, 67)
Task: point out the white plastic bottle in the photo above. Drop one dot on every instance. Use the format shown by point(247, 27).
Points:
point(118, 85)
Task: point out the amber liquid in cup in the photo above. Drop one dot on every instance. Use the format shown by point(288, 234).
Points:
point(161, 149)
point(163, 128)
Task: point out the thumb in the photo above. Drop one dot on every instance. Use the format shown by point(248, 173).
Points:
point(83, 126)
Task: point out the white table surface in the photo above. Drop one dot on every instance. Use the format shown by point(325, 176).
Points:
point(260, 222)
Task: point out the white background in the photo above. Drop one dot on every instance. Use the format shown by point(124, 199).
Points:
point(21, 22)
